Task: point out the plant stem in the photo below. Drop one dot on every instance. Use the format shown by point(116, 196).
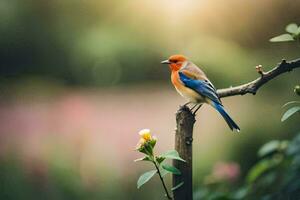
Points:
point(162, 180)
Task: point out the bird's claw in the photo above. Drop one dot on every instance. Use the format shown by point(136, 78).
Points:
point(195, 111)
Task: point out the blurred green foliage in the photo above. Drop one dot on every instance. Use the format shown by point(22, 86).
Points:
point(100, 43)
point(294, 106)
point(293, 34)
point(275, 176)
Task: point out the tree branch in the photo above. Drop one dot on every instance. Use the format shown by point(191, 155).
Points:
point(253, 86)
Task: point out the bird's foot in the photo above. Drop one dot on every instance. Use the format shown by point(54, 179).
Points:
point(195, 111)
point(193, 107)
point(187, 103)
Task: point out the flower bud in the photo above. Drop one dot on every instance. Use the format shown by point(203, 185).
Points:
point(146, 143)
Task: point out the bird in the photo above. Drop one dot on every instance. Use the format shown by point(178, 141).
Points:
point(192, 83)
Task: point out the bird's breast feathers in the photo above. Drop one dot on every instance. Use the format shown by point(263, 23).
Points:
point(184, 91)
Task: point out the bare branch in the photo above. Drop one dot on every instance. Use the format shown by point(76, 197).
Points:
point(253, 86)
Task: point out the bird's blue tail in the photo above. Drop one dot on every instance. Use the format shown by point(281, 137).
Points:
point(232, 125)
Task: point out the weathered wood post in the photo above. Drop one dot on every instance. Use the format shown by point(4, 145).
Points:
point(183, 144)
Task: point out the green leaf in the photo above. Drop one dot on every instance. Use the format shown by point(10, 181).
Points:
point(171, 169)
point(177, 186)
point(152, 143)
point(172, 154)
point(290, 112)
point(282, 38)
point(284, 145)
point(258, 169)
point(292, 28)
point(163, 172)
point(144, 178)
point(146, 158)
point(294, 146)
point(291, 102)
point(160, 159)
point(241, 193)
point(269, 147)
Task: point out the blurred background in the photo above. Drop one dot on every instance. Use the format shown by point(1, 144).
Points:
point(79, 79)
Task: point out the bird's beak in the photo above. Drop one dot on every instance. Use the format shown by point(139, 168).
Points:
point(165, 62)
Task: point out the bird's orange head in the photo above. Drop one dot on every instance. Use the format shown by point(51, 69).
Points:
point(175, 62)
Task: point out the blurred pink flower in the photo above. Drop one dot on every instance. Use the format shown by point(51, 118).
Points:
point(224, 171)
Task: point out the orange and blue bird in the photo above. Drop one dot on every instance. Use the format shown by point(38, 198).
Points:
point(192, 83)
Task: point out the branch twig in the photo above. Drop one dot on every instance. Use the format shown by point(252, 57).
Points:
point(253, 86)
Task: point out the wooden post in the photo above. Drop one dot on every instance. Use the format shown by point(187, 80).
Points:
point(183, 144)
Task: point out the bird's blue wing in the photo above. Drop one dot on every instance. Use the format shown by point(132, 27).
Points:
point(200, 86)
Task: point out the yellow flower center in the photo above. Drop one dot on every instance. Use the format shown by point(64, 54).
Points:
point(145, 134)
